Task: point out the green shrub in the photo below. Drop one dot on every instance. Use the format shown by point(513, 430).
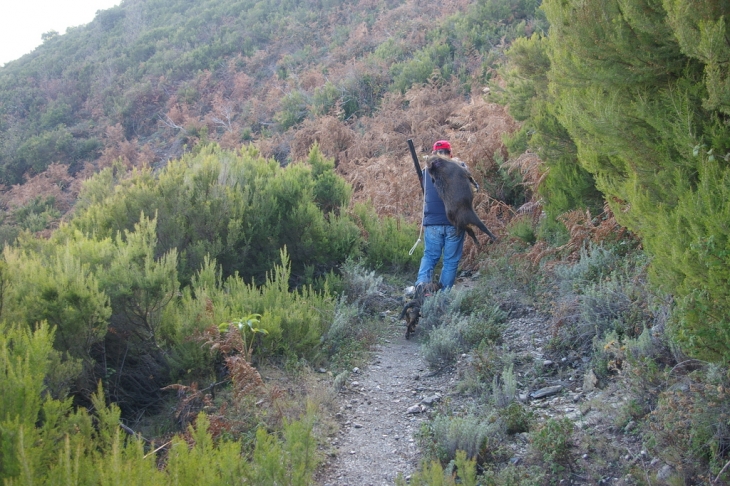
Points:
point(388, 240)
point(363, 288)
point(569, 186)
point(436, 308)
point(45, 442)
point(522, 229)
point(294, 320)
point(460, 471)
point(36, 215)
point(477, 436)
point(344, 326)
point(484, 327)
point(553, 232)
point(293, 109)
point(506, 277)
point(688, 428)
point(504, 389)
point(444, 343)
point(517, 418)
point(325, 99)
point(552, 441)
point(233, 207)
point(516, 475)
point(612, 296)
point(61, 288)
point(595, 263)
point(488, 361)
point(451, 333)
point(417, 70)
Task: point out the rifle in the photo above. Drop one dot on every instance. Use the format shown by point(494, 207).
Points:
point(415, 162)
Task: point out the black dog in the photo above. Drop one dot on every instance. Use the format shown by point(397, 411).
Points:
point(412, 310)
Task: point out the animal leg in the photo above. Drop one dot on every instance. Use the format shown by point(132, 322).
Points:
point(484, 228)
point(474, 219)
point(470, 232)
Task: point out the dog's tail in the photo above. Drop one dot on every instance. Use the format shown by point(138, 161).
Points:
point(407, 307)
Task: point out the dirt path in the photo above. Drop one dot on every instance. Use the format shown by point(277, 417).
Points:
point(381, 408)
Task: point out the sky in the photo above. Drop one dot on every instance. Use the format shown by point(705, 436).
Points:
point(23, 21)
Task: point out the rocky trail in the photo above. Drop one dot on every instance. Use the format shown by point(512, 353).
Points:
point(380, 411)
point(383, 406)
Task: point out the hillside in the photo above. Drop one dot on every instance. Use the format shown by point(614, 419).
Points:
point(149, 80)
point(207, 215)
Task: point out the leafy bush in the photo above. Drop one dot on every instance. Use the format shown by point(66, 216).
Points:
point(45, 442)
point(504, 389)
point(415, 71)
point(325, 99)
point(513, 475)
point(294, 320)
point(451, 333)
point(388, 240)
point(517, 418)
point(460, 471)
point(665, 177)
point(688, 427)
point(444, 343)
point(477, 436)
point(343, 327)
point(604, 294)
point(120, 309)
point(236, 208)
point(594, 263)
point(437, 308)
point(521, 228)
point(488, 363)
point(293, 109)
point(36, 215)
point(61, 288)
point(485, 327)
point(552, 441)
point(362, 288)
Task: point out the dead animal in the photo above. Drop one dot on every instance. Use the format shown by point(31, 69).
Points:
point(451, 181)
point(412, 310)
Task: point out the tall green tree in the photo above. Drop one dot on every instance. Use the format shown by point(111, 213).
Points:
point(641, 88)
point(567, 185)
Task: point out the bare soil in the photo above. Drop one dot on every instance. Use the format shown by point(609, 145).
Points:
point(376, 441)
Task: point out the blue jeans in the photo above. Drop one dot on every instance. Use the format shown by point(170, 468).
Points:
point(440, 239)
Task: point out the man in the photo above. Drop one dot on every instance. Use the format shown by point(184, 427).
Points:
point(440, 237)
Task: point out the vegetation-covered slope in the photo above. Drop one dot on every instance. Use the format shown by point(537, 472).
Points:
point(168, 74)
point(171, 270)
point(632, 95)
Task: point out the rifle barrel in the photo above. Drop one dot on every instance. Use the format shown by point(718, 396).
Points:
point(419, 171)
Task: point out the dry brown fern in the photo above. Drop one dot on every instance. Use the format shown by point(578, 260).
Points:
point(54, 182)
point(531, 168)
point(584, 228)
point(246, 379)
point(236, 354)
point(332, 135)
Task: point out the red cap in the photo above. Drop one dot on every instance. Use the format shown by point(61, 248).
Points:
point(442, 145)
